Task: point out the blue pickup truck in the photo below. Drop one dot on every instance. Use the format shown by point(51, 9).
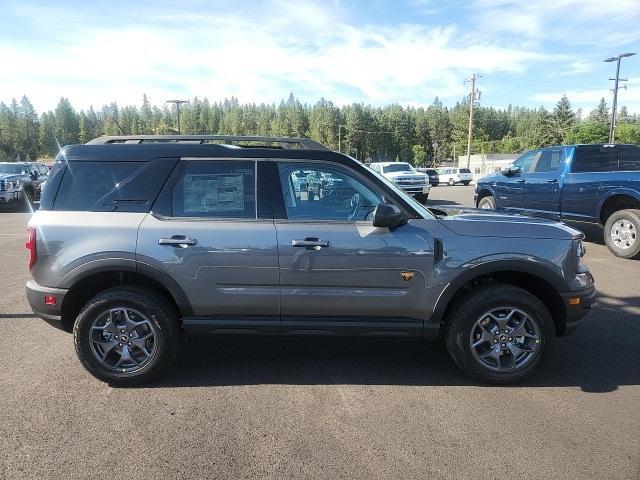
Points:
point(597, 184)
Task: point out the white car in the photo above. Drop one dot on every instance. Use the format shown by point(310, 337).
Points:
point(405, 177)
point(453, 175)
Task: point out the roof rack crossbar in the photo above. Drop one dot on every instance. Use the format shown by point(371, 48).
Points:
point(285, 142)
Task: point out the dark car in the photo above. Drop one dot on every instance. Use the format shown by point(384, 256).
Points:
point(140, 240)
point(21, 181)
point(597, 184)
point(434, 178)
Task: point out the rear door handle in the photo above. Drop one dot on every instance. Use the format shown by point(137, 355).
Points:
point(178, 241)
point(310, 243)
point(520, 180)
point(552, 180)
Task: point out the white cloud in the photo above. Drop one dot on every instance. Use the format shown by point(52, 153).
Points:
point(310, 49)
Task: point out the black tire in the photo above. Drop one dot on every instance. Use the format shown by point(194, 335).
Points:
point(29, 196)
point(451, 182)
point(472, 306)
point(422, 198)
point(487, 203)
point(630, 238)
point(466, 183)
point(160, 313)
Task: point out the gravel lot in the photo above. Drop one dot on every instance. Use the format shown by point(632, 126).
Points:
point(342, 408)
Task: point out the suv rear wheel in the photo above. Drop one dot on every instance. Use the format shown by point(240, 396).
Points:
point(126, 335)
point(452, 182)
point(622, 232)
point(499, 333)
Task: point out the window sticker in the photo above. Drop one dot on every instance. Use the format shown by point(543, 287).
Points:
point(212, 193)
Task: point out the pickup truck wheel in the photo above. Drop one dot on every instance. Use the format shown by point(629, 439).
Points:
point(422, 198)
point(622, 233)
point(126, 335)
point(487, 203)
point(499, 333)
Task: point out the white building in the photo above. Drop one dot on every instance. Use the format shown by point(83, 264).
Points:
point(486, 163)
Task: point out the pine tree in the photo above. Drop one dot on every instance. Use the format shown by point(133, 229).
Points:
point(601, 113)
point(562, 119)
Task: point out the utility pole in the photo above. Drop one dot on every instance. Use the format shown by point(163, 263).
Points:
point(340, 127)
point(178, 103)
point(472, 103)
point(612, 127)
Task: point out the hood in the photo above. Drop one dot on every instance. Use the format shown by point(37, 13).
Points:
point(474, 222)
point(11, 176)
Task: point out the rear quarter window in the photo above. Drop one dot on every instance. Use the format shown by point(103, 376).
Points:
point(111, 186)
point(628, 158)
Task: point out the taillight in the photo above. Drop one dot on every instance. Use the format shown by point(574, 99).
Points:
point(30, 245)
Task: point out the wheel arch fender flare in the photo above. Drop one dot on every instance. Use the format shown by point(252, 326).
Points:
point(622, 191)
point(487, 268)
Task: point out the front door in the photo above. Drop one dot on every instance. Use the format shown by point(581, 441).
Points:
point(211, 235)
point(510, 188)
point(542, 183)
point(338, 273)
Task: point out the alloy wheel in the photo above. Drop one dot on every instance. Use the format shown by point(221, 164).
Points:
point(505, 339)
point(123, 340)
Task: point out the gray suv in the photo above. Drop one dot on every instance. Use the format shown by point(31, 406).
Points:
point(141, 240)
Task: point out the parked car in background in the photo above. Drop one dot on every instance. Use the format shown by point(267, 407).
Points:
point(137, 244)
point(21, 181)
point(406, 177)
point(598, 184)
point(434, 179)
point(453, 175)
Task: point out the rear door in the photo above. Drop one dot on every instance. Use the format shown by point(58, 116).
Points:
point(510, 188)
point(542, 183)
point(338, 273)
point(212, 232)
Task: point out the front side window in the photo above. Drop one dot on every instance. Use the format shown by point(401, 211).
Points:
point(216, 189)
point(330, 193)
point(524, 163)
point(548, 161)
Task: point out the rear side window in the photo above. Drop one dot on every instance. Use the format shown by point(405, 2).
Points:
point(465, 170)
point(216, 189)
point(112, 186)
point(594, 158)
point(628, 157)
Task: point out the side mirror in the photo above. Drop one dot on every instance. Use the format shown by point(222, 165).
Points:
point(388, 215)
point(511, 171)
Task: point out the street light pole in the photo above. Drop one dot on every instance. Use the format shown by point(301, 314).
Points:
point(178, 103)
point(612, 127)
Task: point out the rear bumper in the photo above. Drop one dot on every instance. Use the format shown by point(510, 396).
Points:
point(36, 294)
point(576, 311)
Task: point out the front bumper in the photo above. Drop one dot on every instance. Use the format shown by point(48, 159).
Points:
point(577, 305)
point(8, 197)
point(36, 294)
point(415, 189)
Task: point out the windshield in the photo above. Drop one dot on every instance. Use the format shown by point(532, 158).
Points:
point(398, 167)
point(408, 198)
point(12, 169)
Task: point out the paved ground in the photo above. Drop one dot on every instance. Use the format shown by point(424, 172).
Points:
point(323, 409)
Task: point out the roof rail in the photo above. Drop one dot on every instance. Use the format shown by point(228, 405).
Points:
point(255, 142)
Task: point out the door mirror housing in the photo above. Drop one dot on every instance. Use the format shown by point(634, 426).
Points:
point(388, 215)
point(511, 171)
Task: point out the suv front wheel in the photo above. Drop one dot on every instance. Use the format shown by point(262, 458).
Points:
point(499, 333)
point(126, 335)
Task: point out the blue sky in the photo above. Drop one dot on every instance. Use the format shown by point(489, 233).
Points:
point(405, 51)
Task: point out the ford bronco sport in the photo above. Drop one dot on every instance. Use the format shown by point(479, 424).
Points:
point(141, 240)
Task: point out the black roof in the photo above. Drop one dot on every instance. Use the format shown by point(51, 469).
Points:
point(123, 152)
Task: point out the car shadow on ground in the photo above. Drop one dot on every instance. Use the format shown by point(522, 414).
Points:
point(18, 207)
point(435, 202)
point(599, 357)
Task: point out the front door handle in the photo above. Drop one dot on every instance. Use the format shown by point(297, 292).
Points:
point(310, 243)
point(520, 180)
point(552, 180)
point(178, 241)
